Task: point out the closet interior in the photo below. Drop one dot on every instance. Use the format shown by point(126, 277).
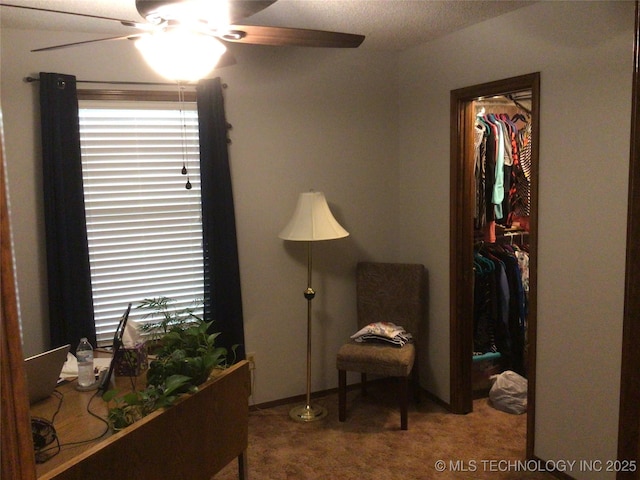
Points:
point(501, 229)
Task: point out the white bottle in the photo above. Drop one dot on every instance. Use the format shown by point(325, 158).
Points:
point(84, 354)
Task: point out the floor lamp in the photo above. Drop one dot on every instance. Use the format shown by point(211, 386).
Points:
point(312, 221)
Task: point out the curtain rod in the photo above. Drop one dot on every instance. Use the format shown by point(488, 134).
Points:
point(114, 82)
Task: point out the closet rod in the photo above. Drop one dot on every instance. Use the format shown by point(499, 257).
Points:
point(114, 82)
point(524, 95)
point(510, 235)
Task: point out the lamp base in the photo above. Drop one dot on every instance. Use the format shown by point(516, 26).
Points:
point(307, 413)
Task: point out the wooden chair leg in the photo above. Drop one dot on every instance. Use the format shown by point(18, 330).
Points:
point(415, 381)
point(342, 395)
point(242, 466)
point(363, 384)
point(403, 384)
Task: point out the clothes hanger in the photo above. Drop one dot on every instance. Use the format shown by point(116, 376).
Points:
point(485, 265)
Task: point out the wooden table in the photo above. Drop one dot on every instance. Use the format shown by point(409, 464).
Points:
point(194, 439)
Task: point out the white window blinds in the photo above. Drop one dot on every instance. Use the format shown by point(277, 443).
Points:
point(144, 227)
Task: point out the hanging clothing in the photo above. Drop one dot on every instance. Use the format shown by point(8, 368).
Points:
point(524, 142)
point(480, 145)
point(502, 172)
point(500, 304)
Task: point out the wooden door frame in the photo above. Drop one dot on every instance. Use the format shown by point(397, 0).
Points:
point(629, 419)
point(17, 454)
point(461, 238)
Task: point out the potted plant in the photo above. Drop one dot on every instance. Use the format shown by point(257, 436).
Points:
point(189, 350)
point(169, 316)
point(133, 406)
point(185, 357)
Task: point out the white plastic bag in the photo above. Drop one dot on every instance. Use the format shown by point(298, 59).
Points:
point(509, 392)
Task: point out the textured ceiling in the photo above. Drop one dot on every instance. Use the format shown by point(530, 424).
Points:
point(387, 24)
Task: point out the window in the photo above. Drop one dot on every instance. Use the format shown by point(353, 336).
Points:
point(144, 227)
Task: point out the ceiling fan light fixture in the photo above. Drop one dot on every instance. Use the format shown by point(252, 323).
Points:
point(179, 54)
point(233, 35)
point(213, 12)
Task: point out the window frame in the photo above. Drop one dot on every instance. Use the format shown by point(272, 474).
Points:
point(116, 96)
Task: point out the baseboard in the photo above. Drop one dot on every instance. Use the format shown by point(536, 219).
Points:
point(333, 391)
point(437, 400)
point(295, 399)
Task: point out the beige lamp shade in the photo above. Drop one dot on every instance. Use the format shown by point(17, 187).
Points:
point(312, 220)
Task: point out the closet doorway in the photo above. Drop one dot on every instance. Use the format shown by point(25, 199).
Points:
point(480, 219)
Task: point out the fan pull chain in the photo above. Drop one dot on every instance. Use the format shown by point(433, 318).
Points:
point(185, 155)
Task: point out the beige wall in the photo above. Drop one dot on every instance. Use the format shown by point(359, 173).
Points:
point(584, 55)
point(371, 130)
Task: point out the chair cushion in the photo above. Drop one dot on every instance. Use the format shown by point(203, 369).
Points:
point(376, 359)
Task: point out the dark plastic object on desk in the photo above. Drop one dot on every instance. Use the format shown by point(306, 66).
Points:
point(117, 343)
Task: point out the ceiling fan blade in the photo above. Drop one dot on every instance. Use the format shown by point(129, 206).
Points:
point(74, 44)
point(238, 9)
point(294, 37)
point(226, 60)
point(24, 7)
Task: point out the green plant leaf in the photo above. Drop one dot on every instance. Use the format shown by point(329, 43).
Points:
point(110, 395)
point(132, 398)
point(174, 382)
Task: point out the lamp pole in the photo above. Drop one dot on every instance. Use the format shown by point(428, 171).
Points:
point(312, 221)
point(308, 412)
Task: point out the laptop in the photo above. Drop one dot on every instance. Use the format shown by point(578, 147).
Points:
point(43, 371)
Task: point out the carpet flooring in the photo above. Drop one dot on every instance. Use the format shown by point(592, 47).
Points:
point(486, 443)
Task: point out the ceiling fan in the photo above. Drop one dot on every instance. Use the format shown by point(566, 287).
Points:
point(208, 21)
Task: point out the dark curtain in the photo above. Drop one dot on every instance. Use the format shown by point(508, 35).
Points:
point(223, 299)
point(69, 277)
